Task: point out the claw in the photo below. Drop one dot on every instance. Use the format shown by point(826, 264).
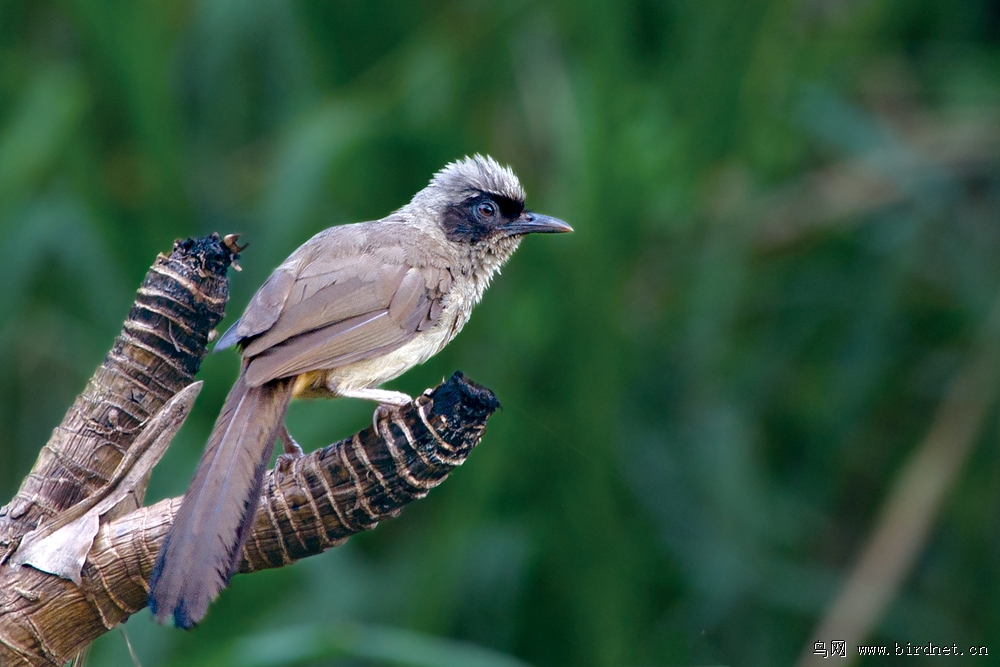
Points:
point(284, 463)
point(384, 411)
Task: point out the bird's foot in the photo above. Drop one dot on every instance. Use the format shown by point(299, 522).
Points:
point(288, 443)
point(283, 464)
point(386, 411)
point(292, 451)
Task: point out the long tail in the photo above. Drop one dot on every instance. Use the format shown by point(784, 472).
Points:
point(202, 550)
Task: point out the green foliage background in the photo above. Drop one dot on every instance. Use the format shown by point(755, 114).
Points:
point(787, 246)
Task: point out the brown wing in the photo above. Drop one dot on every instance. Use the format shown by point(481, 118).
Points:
point(315, 302)
point(328, 257)
point(360, 308)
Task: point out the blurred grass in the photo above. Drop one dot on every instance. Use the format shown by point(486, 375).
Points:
point(305, 644)
point(786, 244)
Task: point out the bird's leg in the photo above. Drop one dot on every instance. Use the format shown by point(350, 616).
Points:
point(389, 402)
point(292, 450)
point(288, 443)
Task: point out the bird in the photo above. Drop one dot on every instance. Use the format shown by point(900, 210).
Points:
point(353, 307)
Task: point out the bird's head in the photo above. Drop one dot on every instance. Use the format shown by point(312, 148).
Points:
point(479, 202)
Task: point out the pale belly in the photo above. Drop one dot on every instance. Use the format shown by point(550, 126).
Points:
point(373, 372)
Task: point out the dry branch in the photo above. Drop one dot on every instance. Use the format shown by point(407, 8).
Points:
point(157, 353)
point(320, 501)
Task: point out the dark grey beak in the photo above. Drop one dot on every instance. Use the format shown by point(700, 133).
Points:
point(535, 223)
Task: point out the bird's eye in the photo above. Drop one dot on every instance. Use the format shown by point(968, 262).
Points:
point(486, 209)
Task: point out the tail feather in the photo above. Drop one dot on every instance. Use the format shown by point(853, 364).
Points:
point(202, 550)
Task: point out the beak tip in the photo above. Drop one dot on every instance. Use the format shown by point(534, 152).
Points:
point(551, 225)
point(535, 223)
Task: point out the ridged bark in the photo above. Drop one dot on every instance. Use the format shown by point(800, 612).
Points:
point(324, 498)
point(159, 350)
